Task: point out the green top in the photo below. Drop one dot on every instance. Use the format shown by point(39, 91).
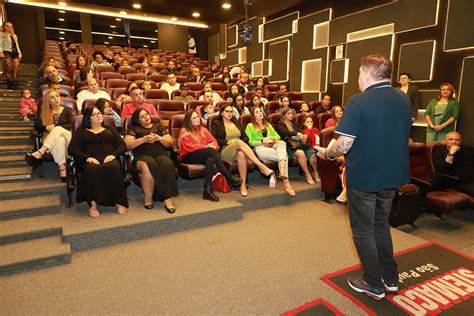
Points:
point(452, 110)
point(255, 136)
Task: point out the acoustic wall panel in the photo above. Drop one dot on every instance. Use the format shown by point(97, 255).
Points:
point(280, 27)
point(459, 33)
point(311, 76)
point(321, 35)
point(213, 46)
point(279, 54)
point(466, 101)
point(405, 14)
point(357, 50)
point(417, 59)
point(339, 71)
point(232, 58)
point(303, 48)
point(426, 96)
point(232, 36)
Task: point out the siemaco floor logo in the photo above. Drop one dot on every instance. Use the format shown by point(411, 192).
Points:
point(433, 280)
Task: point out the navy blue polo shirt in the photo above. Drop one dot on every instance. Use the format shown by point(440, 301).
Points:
point(379, 119)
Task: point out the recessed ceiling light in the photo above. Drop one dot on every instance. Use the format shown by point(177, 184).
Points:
point(62, 3)
point(61, 32)
point(114, 32)
point(174, 19)
point(137, 6)
point(62, 11)
point(111, 37)
point(118, 19)
point(61, 38)
point(156, 31)
point(61, 19)
point(226, 6)
point(145, 46)
point(196, 14)
point(123, 12)
point(153, 42)
point(106, 43)
point(112, 26)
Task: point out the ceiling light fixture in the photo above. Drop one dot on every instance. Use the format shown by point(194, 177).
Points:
point(123, 12)
point(61, 38)
point(174, 19)
point(137, 6)
point(106, 43)
point(111, 37)
point(196, 14)
point(62, 11)
point(103, 11)
point(61, 32)
point(145, 46)
point(153, 42)
point(61, 19)
point(118, 19)
point(112, 26)
point(226, 6)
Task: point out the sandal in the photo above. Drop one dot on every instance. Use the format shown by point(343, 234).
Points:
point(32, 160)
point(147, 206)
point(309, 180)
point(63, 178)
point(289, 190)
point(266, 171)
point(243, 191)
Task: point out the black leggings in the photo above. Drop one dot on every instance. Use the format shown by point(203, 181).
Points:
point(210, 158)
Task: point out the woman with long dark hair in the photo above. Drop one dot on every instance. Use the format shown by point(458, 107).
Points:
point(198, 146)
point(96, 149)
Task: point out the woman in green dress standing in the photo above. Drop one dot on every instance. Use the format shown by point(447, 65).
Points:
point(441, 114)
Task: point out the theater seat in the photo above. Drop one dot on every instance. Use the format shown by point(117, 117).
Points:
point(100, 69)
point(185, 171)
point(328, 170)
point(135, 76)
point(295, 96)
point(116, 83)
point(321, 119)
point(125, 71)
point(167, 109)
point(157, 77)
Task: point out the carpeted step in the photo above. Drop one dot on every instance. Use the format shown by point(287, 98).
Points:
point(33, 255)
point(22, 130)
point(9, 117)
point(29, 207)
point(7, 150)
point(10, 104)
point(10, 161)
point(15, 139)
point(38, 187)
point(13, 174)
point(28, 228)
point(15, 123)
point(13, 111)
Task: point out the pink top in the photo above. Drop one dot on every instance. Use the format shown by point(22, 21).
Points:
point(27, 106)
point(330, 123)
point(312, 133)
point(131, 107)
point(189, 142)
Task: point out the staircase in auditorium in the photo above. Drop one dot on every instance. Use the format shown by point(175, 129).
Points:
point(26, 243)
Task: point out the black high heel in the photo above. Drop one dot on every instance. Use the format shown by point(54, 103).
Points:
point(149, 206)
point(33, 161)
point(170, 210)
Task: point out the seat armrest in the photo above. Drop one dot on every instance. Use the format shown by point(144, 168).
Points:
point(446, 176)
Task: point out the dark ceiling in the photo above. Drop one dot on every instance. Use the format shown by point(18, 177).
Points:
point(211, 10)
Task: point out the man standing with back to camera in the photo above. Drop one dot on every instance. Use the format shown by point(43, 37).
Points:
point(373, 133)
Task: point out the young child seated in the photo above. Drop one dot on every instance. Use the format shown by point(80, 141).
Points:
point(304, 108)
point(28, 106)
point(308, 128)
point(207, 110)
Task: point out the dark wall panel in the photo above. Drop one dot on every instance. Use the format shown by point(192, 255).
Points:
point(466, 100)
point(337, 71)
point(279, 27)
point(303, 44)
point(173, 37)
point(406, 14)
point(25, 25)
point(213, 46)
point(357, 50)
point(416, 59)
point(460, 29)
point(278, 53)
point(232, 36)
point(232, 58)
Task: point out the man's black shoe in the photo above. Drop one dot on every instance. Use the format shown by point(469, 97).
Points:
point(358, 284)
point(390, 287)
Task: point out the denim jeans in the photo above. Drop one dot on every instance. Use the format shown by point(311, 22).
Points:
point(368, 214)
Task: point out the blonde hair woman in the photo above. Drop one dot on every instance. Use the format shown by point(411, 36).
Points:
point(55, 123)
point(10, 54)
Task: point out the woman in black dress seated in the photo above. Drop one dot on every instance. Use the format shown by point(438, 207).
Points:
point(149, 142)
point(96, 150)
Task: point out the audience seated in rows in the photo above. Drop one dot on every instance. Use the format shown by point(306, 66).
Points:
point(216, 98)
point(52, 75)
point(92, 92)
point(170, 85)
point(137, 102)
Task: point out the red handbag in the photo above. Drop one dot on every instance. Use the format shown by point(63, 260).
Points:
point(220, 184)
